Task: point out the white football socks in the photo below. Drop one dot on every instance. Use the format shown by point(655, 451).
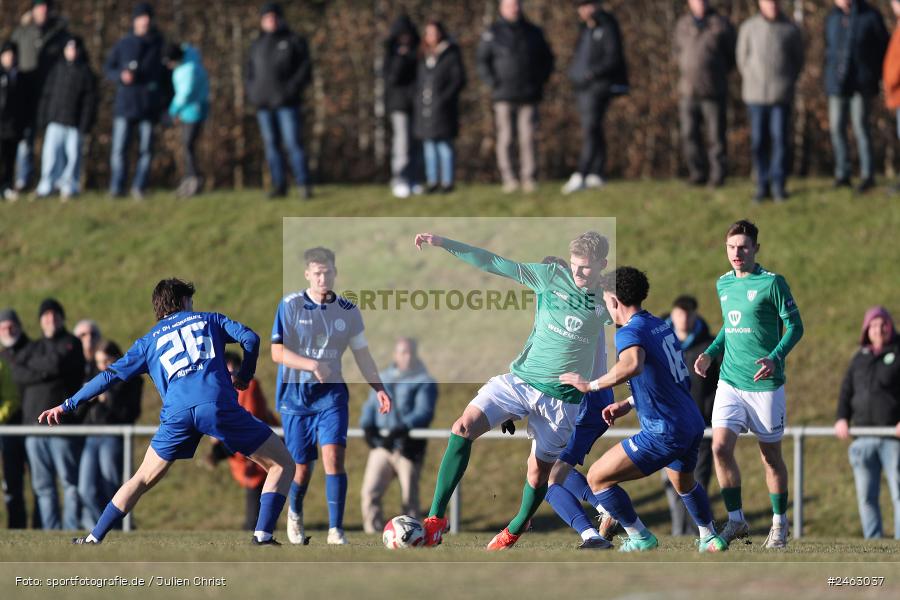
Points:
point(262, 536)
point(91, 538)
point(589, 533)
point(634, 528)
point(707, 530)
point(781, 520)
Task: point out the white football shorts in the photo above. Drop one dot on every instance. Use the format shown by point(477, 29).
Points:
point(762, 413)
point(550, 420)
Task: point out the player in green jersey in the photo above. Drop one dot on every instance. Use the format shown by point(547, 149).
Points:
point(567, 324)
point(761, 326)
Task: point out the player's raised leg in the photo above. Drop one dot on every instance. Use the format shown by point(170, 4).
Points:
point(532, 495)
point(470, 426)
point(615, 467)
point(151, 471)
point(729, 475)
point(276, 460)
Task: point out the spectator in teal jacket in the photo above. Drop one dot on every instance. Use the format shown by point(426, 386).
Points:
point(190, 107)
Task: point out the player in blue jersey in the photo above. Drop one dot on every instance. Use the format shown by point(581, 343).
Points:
point(312, 330)
point(184, 353)
point(650, 360)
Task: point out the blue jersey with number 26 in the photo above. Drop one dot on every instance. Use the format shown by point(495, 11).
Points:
point(184, 355)
point(661, 391)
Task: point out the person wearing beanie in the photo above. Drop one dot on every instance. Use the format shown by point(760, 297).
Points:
point(870, 397)
point(67, 112)
point(277, 70)
point(135, 65)
point(40, 37)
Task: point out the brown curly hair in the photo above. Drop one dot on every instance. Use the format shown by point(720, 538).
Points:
point(169, 295)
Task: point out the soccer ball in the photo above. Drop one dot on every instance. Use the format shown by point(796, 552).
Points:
point(403, 532)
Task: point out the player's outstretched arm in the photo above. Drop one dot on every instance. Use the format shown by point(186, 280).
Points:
point(484, 259)
point(369, 370)
point(51, 417)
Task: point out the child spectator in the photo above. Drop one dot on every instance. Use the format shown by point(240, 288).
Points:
point(190, 107)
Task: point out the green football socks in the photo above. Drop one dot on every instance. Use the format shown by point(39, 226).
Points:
point(531, 501)
point(453, 465)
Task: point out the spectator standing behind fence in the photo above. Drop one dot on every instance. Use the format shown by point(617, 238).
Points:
point(870, 397)
point(135, 66)
point(693, 333)
point(441, 78)
point(100, 468)
point(891, 74)
point(13, 344)
point(770, 58)
point(49, 371)
point(401, 64)
point(67, 111)
point(855, 42)
point(11, 414)
point(515, 62)
point(704, 45)
point(245, 472)
point(414, 393)
point(12, 111)
point(278, 70)
point(190, 107)
point(599, 74)
point(40, 37)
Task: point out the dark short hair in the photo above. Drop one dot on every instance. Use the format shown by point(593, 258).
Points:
point(686, 303)
point(320, 255)
point(744, 227)
point(174, 52)
point(628, 284)
point(169, 296)
point(110, 349)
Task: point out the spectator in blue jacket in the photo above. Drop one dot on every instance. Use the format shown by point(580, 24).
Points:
point(855, 42)
point(190, 107)
point(135, 66)
point(414, 393)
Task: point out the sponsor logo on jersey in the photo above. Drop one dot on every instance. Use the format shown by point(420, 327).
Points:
point(573, 324)
point(751, 295)
point(734, 317)
point(340, 325)
point(567, 334)
point(561, 295)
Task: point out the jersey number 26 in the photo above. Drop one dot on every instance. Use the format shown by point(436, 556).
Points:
point(198, 348)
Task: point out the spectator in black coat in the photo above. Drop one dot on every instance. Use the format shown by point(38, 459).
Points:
point(442, 77)
point(870, 397)
point(693, 333)
point(515, 61)
point(856, 40)
point(48, 371)
point(67, 110)
point(15, 461)
point(40, 37)
point(12, 115)
point(598, 74)
point(142, 83)
point(100, 469)
point(400, 69)
point(278, 70)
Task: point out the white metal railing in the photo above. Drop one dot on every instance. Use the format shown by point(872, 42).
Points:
point(129, 432)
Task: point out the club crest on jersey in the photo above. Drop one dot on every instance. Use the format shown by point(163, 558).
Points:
point(734, 317)
point(340, 325)
point(573, 324)
point(751, 295)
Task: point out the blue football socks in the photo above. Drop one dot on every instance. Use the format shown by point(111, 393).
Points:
point(336, 494)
